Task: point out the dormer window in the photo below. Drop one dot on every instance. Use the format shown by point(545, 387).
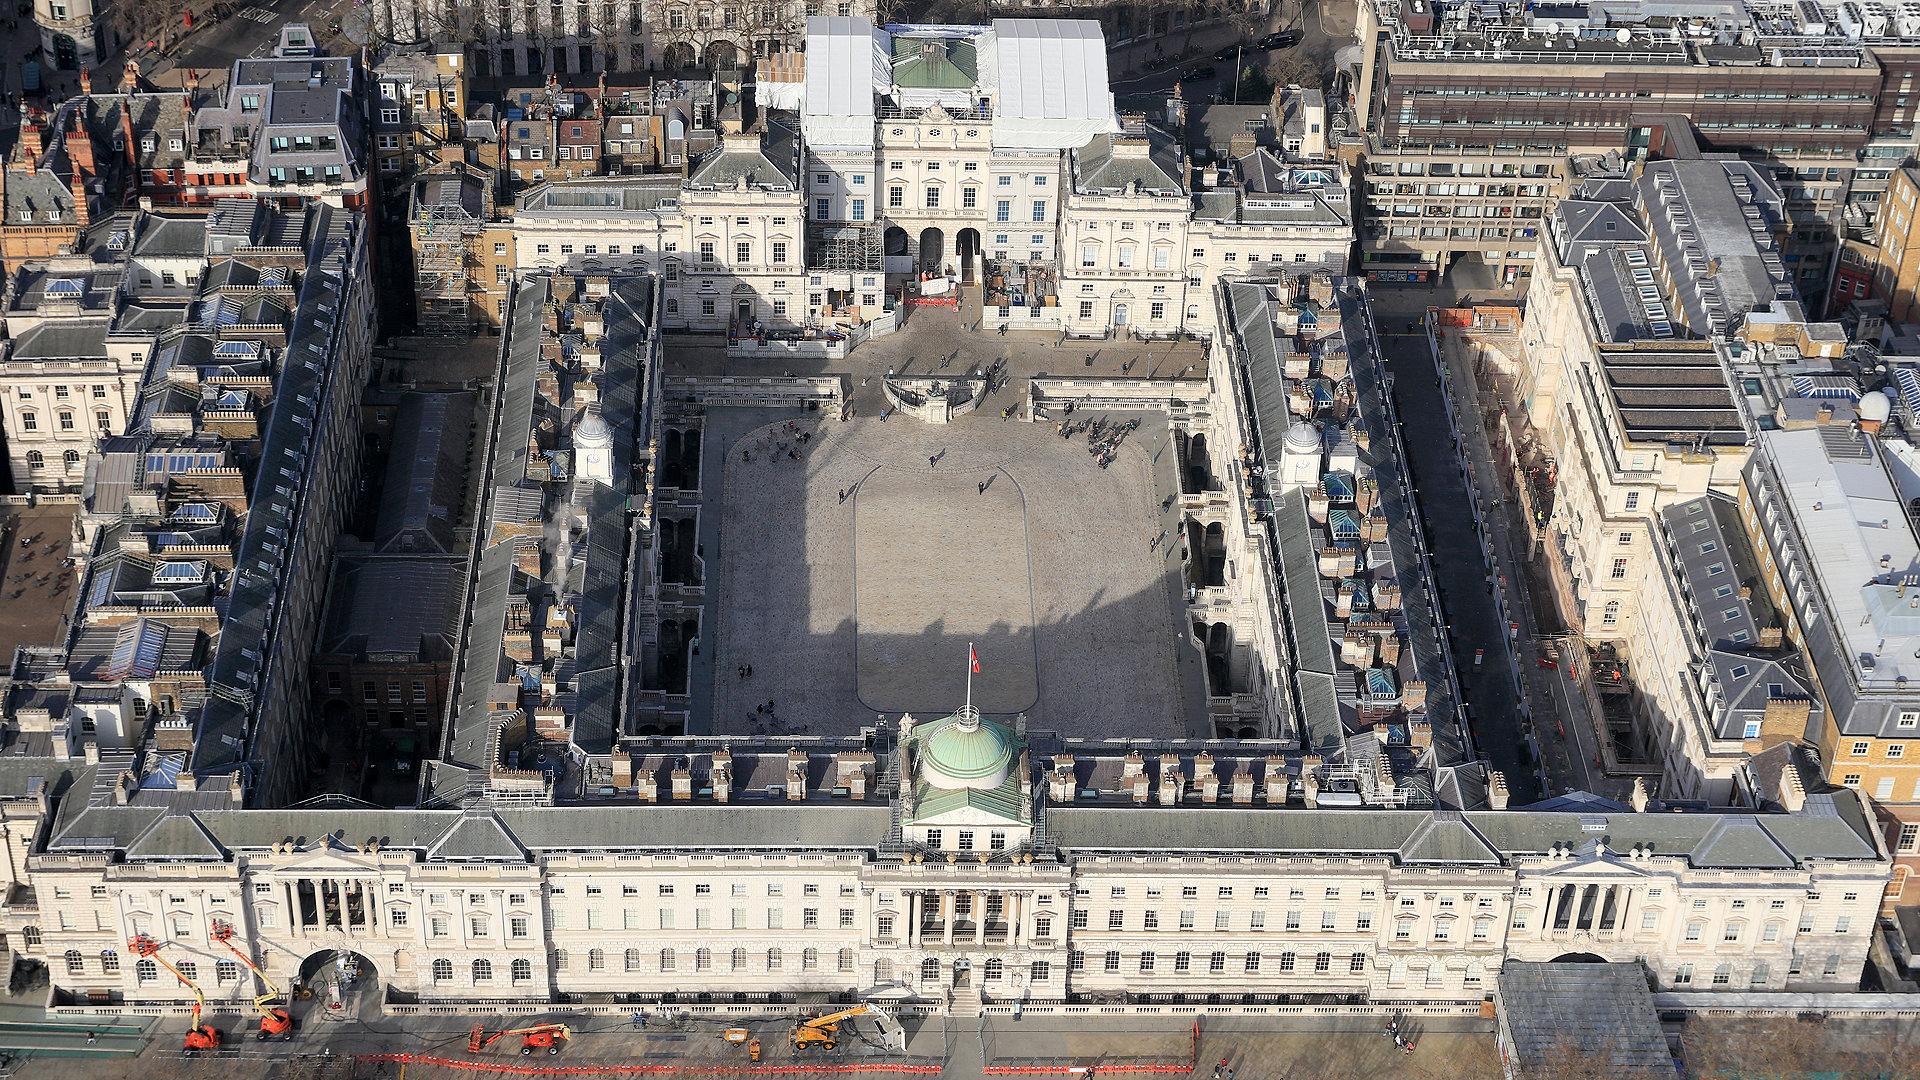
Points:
point(177, 143)
point(148, 144)
point(119, 144)
point(53, 215)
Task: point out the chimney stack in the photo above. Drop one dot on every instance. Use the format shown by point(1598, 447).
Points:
point(1497, 790)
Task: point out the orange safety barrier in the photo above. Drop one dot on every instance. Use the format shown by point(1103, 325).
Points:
point(618, 1070)
point(1062, 1070)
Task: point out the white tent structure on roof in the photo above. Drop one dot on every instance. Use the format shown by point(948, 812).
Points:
point(1048, 78)
point(847, 59)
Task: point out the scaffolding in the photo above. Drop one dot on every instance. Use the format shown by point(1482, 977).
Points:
point(846, 247)
point(445, 236)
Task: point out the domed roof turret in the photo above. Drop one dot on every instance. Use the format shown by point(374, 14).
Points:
point(967, 753)
point(592, 431)
point(1303, 438)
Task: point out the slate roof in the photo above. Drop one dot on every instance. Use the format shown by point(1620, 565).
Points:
point(774, 164)
point(363, 617)
point(176, 836)
point(1096, 166)
point(477, 836)
point(1445, 837)
point(426, 473)
point(63, 339)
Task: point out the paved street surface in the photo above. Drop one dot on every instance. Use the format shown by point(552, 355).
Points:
point(1291, 1047)
point(997, 533)
point(34, 588)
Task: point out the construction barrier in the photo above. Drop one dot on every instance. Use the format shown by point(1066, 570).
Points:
point(1106, 1068)
point(663, 1070)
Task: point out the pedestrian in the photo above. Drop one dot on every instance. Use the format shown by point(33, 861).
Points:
point(695, 642)
point(983, 487)
point(1220, 1069)
point(843, 495)
point(932, 460)
point(741, 669)
point(749, 671)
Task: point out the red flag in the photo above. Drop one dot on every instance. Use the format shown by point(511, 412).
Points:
point(973, 658)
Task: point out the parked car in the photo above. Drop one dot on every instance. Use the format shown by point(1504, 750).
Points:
point(1159, 62)
point(1227, 53)
point(1285, 39)
point(1203, 71)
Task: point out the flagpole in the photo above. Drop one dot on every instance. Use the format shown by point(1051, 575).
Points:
point(969, 674)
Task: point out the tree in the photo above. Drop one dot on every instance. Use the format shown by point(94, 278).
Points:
point(1294, 69)
point(1253, 88)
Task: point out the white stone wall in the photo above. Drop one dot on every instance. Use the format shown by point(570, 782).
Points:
point(818, 921)
point(55, 408)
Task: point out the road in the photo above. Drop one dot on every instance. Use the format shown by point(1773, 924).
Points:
point(1319, 40)
point(1460, 567)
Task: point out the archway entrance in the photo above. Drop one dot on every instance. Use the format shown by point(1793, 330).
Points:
point(677, 56)
point(895, 240)
point(1579, 958)
point(968, 241)
point(339, 983)
point(962, 972)
point(1119, 314)
point(722, 54)
point(932, 249)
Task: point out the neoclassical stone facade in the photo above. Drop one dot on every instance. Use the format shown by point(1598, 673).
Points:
point(977, 880)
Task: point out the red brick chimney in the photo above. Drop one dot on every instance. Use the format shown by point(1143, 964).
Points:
point(80, 143)
point(78, 185)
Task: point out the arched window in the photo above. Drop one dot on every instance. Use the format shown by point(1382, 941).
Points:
point(72, 459)
point(633, 959)
point(482, 971)
point(1040, 972)
point(146, 971)
point(667, 961)
point(76, 963)
point(522, 971)
point(109, 962)
point(596, 959)
point(739, 959)
point(774, 960)
point(882, 971)
point(36, 460)
point(442, 970)
point(929, 970)
point(560, 959)
point(1762, 971)
point(189, 971)
point(995, 969)
point(846, 959)
point(809, 959)
point(703, 960)
point(1612, 613)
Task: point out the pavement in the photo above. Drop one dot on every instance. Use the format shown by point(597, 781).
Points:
point(1290, 1047)
point(35, 590)
point(986, 532)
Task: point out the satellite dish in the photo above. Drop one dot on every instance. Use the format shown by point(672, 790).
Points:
point(1623, 36)
point(1548, 27)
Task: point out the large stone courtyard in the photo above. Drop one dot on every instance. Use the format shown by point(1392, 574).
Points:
point(854, 579)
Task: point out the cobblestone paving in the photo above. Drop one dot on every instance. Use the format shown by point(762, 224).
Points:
point(847, 609)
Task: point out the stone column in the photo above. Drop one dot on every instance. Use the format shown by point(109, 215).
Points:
point(1016, 918)
point(979, 916)
point(913, 919)
point(947, 907)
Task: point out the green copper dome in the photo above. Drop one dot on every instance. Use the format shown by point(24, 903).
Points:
point(967, 753)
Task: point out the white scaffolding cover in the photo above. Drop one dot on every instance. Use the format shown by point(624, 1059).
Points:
point(846, 60)
point(1050, 80)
